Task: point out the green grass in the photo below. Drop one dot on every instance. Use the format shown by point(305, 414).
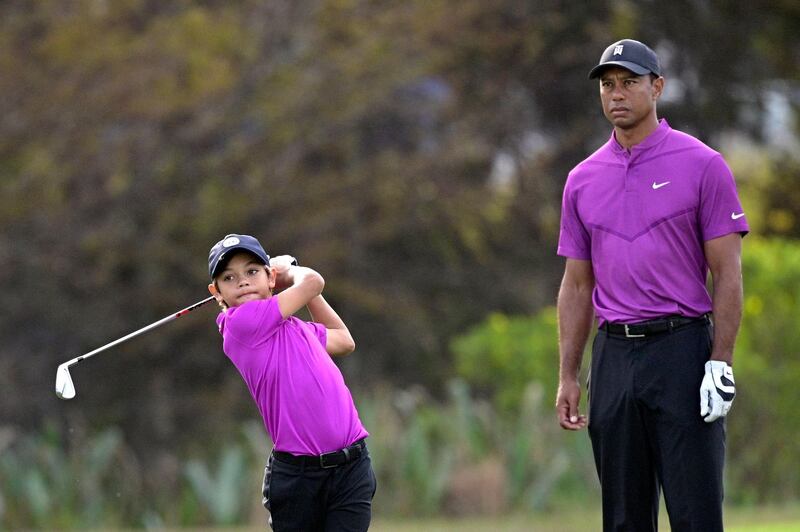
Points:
point(764, 519)
point(759, 519)
point(736, 520)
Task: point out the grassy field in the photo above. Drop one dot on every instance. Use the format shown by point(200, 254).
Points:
point(766, 519)
point(762, 519)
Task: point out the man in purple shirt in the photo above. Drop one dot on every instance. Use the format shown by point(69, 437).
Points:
point(644, 219)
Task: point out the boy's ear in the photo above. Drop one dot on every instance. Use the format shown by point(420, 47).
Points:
point(273, 276)
point(213, 291)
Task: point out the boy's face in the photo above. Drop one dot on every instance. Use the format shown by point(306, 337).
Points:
point(244, 278)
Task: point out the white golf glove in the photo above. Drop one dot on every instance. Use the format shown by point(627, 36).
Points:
point(716, 391)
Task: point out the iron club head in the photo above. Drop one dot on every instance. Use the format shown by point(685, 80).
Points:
point(65, 389)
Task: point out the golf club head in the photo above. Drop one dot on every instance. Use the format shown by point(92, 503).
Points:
point(65, 389)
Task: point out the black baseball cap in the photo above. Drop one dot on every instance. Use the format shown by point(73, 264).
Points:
point(229, 244)
point(627, 53)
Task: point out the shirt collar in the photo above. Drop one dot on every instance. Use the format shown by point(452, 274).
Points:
point(654, 138)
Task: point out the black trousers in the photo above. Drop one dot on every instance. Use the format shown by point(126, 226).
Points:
point(647, 433)
point(309, 498)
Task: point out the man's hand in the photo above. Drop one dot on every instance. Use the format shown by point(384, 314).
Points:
point(716, 391)
point(569, 396)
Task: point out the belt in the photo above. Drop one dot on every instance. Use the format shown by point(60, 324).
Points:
point(649, 328)
point(327, 460)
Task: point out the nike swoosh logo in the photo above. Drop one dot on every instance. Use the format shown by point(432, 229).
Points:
point(725, 388)
point(735, 216)
point(656, 186)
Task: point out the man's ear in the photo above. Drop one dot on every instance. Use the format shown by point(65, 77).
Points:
point(658, 87)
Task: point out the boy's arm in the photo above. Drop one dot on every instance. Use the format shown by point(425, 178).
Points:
point(340, 341)
point(301, 285)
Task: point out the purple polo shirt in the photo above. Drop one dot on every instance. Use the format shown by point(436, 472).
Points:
point(642, 217)
point(299, 391)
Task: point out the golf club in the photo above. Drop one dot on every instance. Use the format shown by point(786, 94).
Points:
point(65, 389)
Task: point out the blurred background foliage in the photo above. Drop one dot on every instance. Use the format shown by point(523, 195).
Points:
point(414, 153)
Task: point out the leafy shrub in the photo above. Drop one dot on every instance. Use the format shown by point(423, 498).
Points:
point(763, 425)
point(44, 484)
point(502, 355)
point(221, 491)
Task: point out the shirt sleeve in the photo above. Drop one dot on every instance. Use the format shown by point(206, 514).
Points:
point(321, 333)
point(254, 321)
point(573, 240)
point(721, 211)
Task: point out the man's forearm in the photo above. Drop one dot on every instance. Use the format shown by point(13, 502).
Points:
point(727, 310)
point(575, 317)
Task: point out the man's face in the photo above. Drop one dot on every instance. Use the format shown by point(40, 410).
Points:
point(245, 278)
point(627, 98)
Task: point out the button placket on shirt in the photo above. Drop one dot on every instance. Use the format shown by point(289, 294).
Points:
point(630, 182)
point(632, 202)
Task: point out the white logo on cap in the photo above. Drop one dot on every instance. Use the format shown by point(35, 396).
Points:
point(618, 49)
point(230, 241)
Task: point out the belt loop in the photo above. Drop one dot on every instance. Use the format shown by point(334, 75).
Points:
point(670, 325)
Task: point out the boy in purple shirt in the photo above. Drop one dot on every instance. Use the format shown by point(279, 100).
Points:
point(644, 219)
point(319, 475)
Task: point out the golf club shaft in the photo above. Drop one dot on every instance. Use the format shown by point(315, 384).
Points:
point(143, 330)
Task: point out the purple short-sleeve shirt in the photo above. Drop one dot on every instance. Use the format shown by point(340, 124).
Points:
point(299, 391)
point(642, 218)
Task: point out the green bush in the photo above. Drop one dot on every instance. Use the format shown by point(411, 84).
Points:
point(422, 448)
point(221, 491)
point(763, 425)
point(514, 361)
point(45, 485)
point(504, 354)
point(53, 481)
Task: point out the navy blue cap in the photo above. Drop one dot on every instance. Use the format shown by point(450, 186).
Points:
point(627, 53)
point(231, 243)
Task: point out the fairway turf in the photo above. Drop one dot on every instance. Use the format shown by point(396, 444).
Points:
point(758, 519)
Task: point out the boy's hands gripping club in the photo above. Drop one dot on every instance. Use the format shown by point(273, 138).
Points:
point(717, 391)
point(281, 264)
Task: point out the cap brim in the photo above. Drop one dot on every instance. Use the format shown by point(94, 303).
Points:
point(633, 67)
point(222, 260)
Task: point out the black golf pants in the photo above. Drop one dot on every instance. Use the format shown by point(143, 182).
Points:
point(303, 498)
point(647, 433)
